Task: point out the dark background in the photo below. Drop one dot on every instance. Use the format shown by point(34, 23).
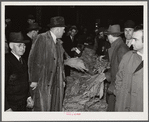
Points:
point(77, 15)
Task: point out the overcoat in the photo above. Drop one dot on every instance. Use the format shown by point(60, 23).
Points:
point(46, 68)
point(129, 84)
point(115, 56)
point(16, 83)
point(116, 52)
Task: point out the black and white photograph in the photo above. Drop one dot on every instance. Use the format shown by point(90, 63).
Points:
point(72, 60)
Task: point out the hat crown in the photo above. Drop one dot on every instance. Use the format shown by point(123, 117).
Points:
point(17, 37)
point(114, 29)
point(129, 24)
point(57, 21)
point(34, 26)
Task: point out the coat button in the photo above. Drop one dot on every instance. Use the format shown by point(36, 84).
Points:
point(51, 72)
point(54, 58)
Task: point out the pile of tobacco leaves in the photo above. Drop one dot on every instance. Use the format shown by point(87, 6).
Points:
point(85, 90)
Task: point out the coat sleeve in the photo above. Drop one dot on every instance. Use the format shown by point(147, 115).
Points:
point(7, 74)
point(123, 49)
point(119, 77)
point(36, 59)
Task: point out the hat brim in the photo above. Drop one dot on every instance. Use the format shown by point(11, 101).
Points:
point(51, 26)
point(23, 41)
point(30, 29)
point(109, 33)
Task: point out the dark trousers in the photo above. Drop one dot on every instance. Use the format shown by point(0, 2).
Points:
point(111, 99)
point(18, 106)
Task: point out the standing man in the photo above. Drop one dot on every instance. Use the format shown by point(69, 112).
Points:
point(17, 95)
point(128, 32)
point(69, 41)
point(69, 45)
point(129, 79)
point(46, 70)
point(116, 52)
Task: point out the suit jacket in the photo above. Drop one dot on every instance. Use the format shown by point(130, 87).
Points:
point(68, 44)
point(16, 81)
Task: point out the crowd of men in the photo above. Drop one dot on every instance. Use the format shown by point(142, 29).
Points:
point(35, 71)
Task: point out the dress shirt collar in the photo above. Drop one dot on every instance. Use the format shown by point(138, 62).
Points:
point(18, 57)
point(140, 55)
point(53, 36)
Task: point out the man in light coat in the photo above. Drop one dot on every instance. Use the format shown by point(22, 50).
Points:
point(129, 79)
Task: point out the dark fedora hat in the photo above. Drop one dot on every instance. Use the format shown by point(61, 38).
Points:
point(57, 21)
point(129, 24)
point(17, 37)
point(33, 26)
point(113, 29)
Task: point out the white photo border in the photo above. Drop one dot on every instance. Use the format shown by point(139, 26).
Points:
point(76, 116)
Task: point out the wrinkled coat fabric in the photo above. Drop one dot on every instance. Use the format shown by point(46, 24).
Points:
point(46, 68)
point(116, 52)
point(129, 85)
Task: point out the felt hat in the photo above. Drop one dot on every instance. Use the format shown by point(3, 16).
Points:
point(129, 24)
point(57, 21)
point(113, 29)
point(17, 37)
point(33, 26)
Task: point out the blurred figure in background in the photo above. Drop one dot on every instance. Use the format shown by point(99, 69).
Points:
point(128, 32)
point(31, 35)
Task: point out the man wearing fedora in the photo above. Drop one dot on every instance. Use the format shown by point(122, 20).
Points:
point(17, 95)
point(46, 70)
point(31, 35)
point(128, 32)
point(116, 51)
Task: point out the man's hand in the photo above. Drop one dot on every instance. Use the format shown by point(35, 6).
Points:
point(101, 57)
point(30, 102)
point(9, 110)
point(108, 76)
point(76, 63)
point(111, 89)
point(33, 85)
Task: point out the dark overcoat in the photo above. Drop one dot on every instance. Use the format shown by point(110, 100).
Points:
point(115, 55)
point(46, 68)
point(16, 83)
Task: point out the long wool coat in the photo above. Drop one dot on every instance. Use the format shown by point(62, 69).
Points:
point(129, 85)
point(46, 68)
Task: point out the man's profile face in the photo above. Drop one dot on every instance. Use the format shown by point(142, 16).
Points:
point(61, 31)
point(128, 33)
point(137, 40)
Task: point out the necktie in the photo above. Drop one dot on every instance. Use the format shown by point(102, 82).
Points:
point(20, 60)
